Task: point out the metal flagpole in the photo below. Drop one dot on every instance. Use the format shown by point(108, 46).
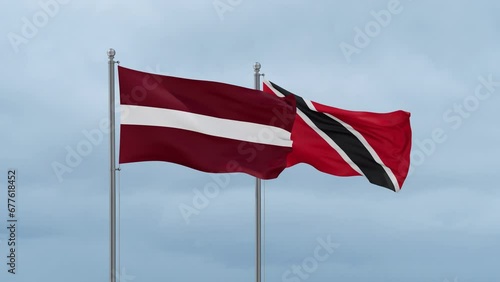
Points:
point(258, 209)
point(112, 194)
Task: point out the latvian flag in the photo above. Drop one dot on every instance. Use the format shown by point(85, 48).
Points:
point(349, 143)
point(207, 126)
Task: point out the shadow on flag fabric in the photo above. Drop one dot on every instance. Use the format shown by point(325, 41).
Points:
point(208, 126)
point(350, 143)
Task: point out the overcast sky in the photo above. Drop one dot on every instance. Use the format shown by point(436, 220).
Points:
point(439, 60)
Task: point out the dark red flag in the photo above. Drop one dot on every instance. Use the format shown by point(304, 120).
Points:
point(208, 126)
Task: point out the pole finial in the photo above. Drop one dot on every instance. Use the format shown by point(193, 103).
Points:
point(256, 67)
point(111, 53)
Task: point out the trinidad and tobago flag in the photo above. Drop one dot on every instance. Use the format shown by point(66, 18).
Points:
point(350, 143)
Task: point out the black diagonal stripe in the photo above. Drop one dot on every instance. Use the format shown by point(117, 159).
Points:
point(347, 141)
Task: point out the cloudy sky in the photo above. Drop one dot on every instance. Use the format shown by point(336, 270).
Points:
point(437, 59)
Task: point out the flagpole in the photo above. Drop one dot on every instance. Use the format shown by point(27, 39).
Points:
point(258, 209)
point(112, 194)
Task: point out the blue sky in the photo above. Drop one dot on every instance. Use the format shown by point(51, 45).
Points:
point(426, 57)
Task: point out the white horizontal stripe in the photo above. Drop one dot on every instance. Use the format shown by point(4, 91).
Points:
point(323, 135)
point(219, 127)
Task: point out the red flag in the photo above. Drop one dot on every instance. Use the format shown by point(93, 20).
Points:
point(349, 143)
point(208, 126)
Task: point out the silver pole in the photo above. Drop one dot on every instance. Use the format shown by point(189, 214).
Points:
point(112, 191)
point(258, 209)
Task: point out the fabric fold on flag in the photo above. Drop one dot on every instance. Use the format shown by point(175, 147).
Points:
point(350, 143)
point(208, 126)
